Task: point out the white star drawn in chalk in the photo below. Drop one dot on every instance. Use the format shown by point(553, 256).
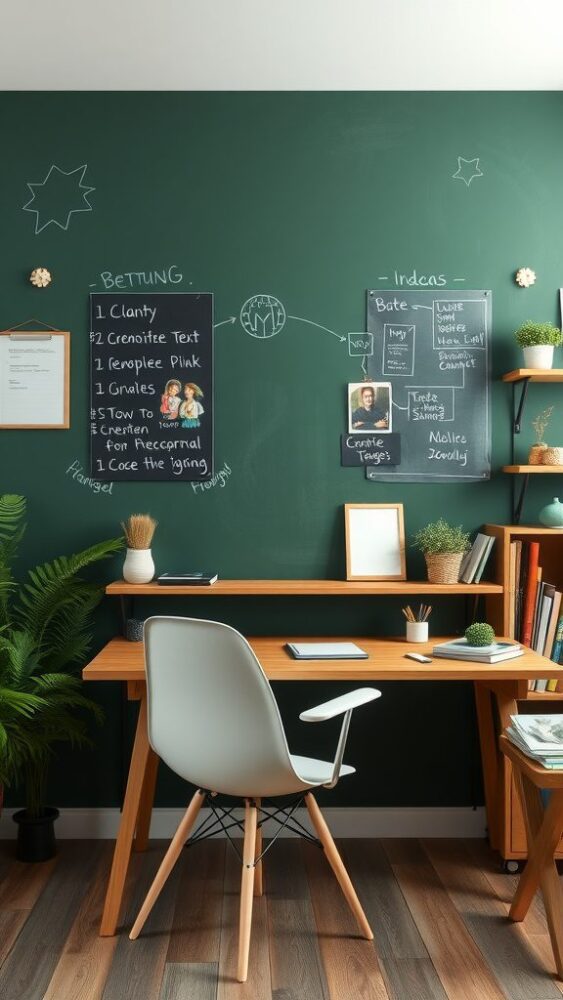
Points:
point(467, 170)
point(60, 189)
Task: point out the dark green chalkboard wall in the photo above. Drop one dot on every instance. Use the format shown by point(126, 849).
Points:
point(308, 197)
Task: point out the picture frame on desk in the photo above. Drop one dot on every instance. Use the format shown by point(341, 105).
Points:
point(375, 541)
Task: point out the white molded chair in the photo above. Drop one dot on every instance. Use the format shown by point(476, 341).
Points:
point(213, 719)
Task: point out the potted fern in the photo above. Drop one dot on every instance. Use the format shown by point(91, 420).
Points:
point(44, 635)
point(538, 341)
point(443, 546)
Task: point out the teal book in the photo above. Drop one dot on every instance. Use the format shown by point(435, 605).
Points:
point(558, 643)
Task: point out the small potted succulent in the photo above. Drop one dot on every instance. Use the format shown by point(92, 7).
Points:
point(443, 547)
point(540, 424)
point(538, 341)
point(480, 634)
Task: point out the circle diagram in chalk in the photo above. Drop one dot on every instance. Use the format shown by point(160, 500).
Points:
point(262, 316)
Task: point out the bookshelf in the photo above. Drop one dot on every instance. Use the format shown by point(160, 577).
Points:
point(510, 835)
point(295, 588)
point(523, 377)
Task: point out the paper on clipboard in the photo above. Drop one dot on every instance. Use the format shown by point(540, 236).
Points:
point(32, 380)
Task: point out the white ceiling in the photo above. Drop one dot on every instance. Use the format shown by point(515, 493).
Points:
point(281, 45)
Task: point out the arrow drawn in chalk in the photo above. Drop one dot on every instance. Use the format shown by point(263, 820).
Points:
point(319, 325)
point(399, 407)
point(423, 307)
point(365, 365)
point(231, 319)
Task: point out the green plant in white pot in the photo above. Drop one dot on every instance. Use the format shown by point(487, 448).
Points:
point(538, 341)
point(443, 546)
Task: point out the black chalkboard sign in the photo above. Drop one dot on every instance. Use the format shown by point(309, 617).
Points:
point(151, 415)
point(433, 346)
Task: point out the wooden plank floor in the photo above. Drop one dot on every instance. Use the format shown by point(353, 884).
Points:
point(438, 909)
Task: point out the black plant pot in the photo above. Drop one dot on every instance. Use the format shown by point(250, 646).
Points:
point(36, 835)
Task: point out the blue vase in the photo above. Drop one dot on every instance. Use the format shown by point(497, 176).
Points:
point(552, 515)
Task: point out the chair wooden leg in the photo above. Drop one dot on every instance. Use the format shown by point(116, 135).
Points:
point(168, 862)
point(336, 863)
point(246, 889)
point(258, 872)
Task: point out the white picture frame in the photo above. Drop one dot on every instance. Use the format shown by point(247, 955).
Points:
point(375, 541)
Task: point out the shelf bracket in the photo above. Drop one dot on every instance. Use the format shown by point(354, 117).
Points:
point(521, 498)
point(518, 415)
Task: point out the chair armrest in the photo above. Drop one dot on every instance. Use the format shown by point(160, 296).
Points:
point(337, 706)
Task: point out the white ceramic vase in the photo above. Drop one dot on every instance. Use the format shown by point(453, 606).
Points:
point(138, 566)
point(539, 356)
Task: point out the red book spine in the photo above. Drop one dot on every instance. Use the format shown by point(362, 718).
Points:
point(530, 593)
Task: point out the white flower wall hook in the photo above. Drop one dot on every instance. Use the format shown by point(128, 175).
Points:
point(525, 277)
point(40, 277)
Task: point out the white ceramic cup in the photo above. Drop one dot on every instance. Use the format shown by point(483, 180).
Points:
point(417, 631)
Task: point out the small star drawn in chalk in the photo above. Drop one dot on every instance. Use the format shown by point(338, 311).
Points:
point(58, 196)
point(467, 170)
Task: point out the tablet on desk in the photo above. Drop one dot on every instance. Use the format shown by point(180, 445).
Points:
point(326, 651)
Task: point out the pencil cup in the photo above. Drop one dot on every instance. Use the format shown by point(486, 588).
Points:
point(417, 631)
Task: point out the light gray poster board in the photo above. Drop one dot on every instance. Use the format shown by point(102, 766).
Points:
point(434, 346)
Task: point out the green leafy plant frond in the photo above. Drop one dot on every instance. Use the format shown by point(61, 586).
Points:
point(45, 629)
point(55, 585)
point(439, 537)
point(12, 527)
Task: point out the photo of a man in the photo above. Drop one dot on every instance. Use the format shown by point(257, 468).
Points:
point(369, 407)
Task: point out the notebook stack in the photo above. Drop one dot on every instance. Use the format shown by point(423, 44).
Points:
point(536, 611)
point(459, 649)
point(539, 737)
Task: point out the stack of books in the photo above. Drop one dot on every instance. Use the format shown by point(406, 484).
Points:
point(459, 649)
point(474, 561)
point(535, 608)
point(539, 737)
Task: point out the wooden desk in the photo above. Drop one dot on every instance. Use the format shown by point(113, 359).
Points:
point(124, 661)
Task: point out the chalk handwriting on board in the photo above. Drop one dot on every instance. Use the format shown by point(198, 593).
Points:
point(415, 280)
point(151, 415)
point(140, 279)
point(360, 344)
point(76, 471)
point(467, 170)
point(434, 348)
point(263, 316)
point(58, 196)
point(218, 479)
point(231, 319)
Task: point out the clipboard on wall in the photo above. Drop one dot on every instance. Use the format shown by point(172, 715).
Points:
point(34, 378)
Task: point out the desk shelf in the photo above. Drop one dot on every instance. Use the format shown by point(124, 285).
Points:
point(296, 588)
point(532, 470)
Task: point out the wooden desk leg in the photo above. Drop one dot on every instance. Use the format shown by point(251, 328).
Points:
point(543, 830)
point(146, 803)
point(489, 758)
point(124, 842)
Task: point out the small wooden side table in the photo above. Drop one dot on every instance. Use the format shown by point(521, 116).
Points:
point(543, 831)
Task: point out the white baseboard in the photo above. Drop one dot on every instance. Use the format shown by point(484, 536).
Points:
point(100, 824)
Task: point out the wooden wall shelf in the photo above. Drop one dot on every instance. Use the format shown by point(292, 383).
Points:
point(534, 375)
point(527, 470)
point(296, 588)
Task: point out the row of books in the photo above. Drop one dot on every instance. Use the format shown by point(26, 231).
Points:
point(535, 608)
point(539, 737)
point(476, 558)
